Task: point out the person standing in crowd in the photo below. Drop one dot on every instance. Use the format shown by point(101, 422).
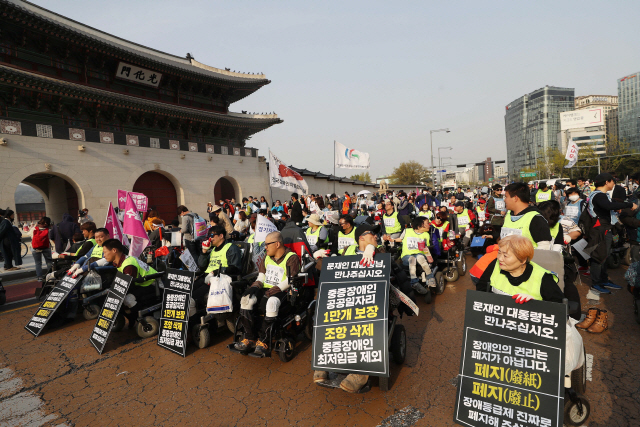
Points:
point(9, 242)
point(543, 194)
point(263, 203)
point(224, 220)
point(296, 209)
point(186, 227)
point(62, 234)
point(277, 208)
point(41, 246)
point(242, 225)
point(84, 216)
point(210, 210)
point(346, 203)
point(496, 207)
point(584, 187)
point(522, 219)
point(599, 237)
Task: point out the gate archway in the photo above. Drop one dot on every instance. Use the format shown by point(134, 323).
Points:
point(161, 193)
point(224, 189)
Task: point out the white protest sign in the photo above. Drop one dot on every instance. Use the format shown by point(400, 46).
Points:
point(188, 260)
point(263, 227)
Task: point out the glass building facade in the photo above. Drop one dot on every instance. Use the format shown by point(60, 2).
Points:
point(532, 123)
point(629, 110)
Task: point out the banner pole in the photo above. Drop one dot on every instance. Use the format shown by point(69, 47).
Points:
point(270, 191)
point(334, 166)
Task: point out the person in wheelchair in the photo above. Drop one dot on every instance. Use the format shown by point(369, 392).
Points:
point(414, 242)
point(268, 294)
point(83, 264)
point(513, 273)
point(367, 246)
point(218, 256)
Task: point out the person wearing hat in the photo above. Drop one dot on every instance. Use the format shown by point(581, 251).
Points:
point(544, 193)
point(367, 246)
point(604, 215)
point(495, 206)
point(317, 234)
point(223, 219)
point(464, 220)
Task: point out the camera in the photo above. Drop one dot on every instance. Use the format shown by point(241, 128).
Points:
point(82, 213)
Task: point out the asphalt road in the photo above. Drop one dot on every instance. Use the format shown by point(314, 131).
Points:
point(59, 379)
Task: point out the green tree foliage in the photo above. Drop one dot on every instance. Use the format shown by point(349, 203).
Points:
point(409, 173)
point(364, 176)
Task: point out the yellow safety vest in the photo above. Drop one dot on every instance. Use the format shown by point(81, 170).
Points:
point(543, 196)
point(554, 230)
point(350, 250)
point(345, 240)
point(314, 236)
point(96, 252)
point(463, 218)
point(251, 238)
point(275, 273)
point(90, 240)
point(500, 282)
point(391, 223)
point(143, 269)
point(440, 229)
point(428, 214)
point(218, 259)
point(520, 227)
point(411, 240)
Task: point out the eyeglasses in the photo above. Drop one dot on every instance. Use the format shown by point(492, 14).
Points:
point(366, 233)
point(270, 243)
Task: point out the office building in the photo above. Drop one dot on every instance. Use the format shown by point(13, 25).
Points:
point(608, 103)
point(629, 110)
point(499, 171)
point(532, 123)
point(612, 124)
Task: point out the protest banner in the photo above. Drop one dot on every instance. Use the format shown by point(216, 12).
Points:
point(174, 317)
point(263, 227)
point(141, 201)
point(49, 306)
point(512, 364)
point(110, 310)
point(350, 328)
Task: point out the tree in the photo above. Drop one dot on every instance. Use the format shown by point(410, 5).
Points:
point(364, 176)
point(614, 147)
point(409, 173)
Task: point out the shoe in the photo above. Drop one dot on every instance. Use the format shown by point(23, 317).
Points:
point(592, 314)
point(418, 287)
point(611, 285)
point(600, 289)
point(39, 279)
point(354, 382)
point(601, 324)
point(245, 345)
point(261, 348)
point(584, 271)
point(50, 277)
point(320, 376)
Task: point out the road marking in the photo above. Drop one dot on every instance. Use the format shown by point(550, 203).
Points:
point(20, 408)
point(589, 367)
point(19, 308)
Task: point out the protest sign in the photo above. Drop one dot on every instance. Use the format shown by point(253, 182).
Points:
point(110, 310)
point(512, 364)
point(188, 261)
point(141, 201)
point(174, 317)
point(49, 306)
point(350, 329)
point(263, 227)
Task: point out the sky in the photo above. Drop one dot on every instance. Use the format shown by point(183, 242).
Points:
point(377, 76)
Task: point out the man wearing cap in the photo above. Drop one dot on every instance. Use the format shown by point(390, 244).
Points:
point(223, 220)
point(543, 194)
point(604, 215)
point(464, 219)
point(317, 234)
point(495, 206)
point(367, 246)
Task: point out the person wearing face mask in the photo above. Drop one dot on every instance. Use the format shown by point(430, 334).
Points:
point(574, 205)
point(496, 207)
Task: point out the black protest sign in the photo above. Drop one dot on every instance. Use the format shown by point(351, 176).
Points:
point(174, 317)
point(110, 310)
point(512, 365)
point(350, 330)
point(49, 306)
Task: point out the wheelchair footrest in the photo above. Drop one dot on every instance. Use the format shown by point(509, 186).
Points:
point(334, 379)
point(260, 356)
point(232, 347)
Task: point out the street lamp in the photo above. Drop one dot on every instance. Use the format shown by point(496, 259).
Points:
point(431, 138)
point(440, 160)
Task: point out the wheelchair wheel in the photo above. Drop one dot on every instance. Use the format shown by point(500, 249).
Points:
point(462, 266)
point(451, 274)
point(308, 328)
point(148, 328)
point(119, 323)
point(439, 283)
point(24, 250)
point(231, 324)
point(286, 353)
point(383, 383)
point(573, 416)
point(399, 344)
point(201, 337)
point(627, 256)
point(91, 312)
point(613, 261)
point(579, 376)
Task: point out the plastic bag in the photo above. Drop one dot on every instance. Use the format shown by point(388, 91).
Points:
point(220, 295)
point(92, 282)
point(574, 355)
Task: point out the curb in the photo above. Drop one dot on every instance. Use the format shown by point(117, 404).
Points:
point(17, 275)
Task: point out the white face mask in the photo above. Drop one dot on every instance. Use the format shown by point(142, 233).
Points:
point(574, 197)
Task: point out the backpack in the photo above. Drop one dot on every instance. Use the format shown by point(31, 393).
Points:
point(199, 227)
point(40, 238)
point(586, 221)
